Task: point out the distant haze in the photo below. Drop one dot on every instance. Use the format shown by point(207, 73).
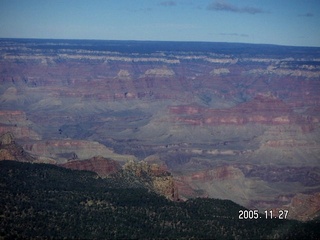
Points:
point(284, 22)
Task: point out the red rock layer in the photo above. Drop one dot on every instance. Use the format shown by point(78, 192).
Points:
point(302, 207)
point(262, 110)
point(100, 165)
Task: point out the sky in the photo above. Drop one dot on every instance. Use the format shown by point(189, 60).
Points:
point(282, 22)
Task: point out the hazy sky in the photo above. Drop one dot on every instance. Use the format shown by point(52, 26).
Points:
point(285, 22)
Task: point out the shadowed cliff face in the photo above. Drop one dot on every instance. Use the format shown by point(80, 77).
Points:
point(102, 166)
point(205, 112)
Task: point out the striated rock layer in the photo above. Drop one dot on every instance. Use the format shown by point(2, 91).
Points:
point(262, 110)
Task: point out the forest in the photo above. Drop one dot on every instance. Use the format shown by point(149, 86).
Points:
point(43, 201)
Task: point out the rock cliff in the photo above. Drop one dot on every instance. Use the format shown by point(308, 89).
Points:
point(154, 177)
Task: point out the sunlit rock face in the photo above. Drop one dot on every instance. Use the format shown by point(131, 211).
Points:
point(155, 177)
point(208, 113)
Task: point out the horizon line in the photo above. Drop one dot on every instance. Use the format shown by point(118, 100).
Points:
point(132, 40)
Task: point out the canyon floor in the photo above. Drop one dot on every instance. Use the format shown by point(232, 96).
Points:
point(228, 121)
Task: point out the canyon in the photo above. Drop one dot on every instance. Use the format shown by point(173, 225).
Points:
point(229, 121)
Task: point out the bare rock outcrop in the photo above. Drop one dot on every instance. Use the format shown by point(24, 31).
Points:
point(17, 123)
point(6, 139)
point(304, 207)
point(10, 150)
point(154, 177)
point(160, 72)
point(123, 74)
point(220, 71)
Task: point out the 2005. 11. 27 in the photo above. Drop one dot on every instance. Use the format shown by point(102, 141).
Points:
point(268, 214)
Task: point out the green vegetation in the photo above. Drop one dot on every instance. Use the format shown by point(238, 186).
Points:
point(45, 201)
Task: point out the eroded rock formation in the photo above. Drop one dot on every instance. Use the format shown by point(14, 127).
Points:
point(17, 123)
point(155, 177)
point(10, 150)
